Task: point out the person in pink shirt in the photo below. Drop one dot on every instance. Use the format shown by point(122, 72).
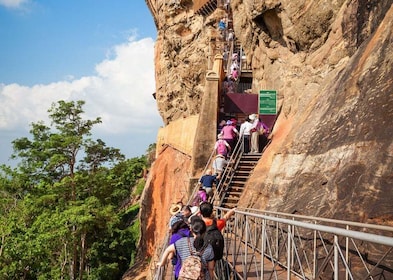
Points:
point(229, 133)
point(235, 74)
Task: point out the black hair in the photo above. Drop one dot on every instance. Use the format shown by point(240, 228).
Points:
point(186, 207)
point(198, 227)
point(206, 209)
point(179, 225)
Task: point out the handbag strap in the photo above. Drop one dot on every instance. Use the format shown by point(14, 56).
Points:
point(192, 252)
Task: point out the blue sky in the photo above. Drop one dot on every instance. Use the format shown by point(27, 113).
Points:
point(100, 51)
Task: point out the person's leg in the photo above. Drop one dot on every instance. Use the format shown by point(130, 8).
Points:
point(246, 143)
point(209, 192)
point(254, 142)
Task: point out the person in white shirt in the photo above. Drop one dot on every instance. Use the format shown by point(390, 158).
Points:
point(218, 165)
point(245, 134)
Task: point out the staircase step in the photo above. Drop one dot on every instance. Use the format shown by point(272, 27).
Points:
point(236, 187)
point(232, 199)
point(229, 205)
point(234, 193)
point(236, 179)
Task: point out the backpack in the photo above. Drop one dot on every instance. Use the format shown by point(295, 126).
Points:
point(214, 237)
point(192, 267)
point(221, 147)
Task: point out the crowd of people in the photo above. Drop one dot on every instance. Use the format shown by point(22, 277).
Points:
point(253, 131)
point(194, 232)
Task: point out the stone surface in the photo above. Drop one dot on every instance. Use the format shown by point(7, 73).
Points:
point(331, 153)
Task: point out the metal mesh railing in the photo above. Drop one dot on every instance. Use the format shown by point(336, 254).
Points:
point(269, 245)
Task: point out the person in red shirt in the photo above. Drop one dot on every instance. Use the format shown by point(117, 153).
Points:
point(206, 211)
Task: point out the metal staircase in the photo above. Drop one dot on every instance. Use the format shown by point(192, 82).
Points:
point(230, 188)
point(234, 187)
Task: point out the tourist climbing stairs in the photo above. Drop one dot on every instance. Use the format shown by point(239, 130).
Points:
point(234, 184)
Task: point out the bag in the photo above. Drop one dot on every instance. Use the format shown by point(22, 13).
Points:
point(264, 130)
point(221, 148)
point(192, 267)
point(214, 237)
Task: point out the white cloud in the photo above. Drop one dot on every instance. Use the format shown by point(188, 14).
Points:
point(120, 93)
point(13, 3)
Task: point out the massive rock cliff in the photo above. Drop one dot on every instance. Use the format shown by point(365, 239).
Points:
point(331, 153)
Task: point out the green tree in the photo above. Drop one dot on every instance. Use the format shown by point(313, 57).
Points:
point(63, 213)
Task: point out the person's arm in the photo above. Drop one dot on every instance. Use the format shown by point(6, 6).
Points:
point(169, 250)
point(229, 214)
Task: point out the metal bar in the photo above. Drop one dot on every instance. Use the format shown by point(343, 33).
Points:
point(347, 253)
point(263, 246)
point(335, 246)
point(289, 253)
point(245, 251)
point(314, 271)
point(377, 264)
point(347, 268)
point(313, 218)
point(383, 240)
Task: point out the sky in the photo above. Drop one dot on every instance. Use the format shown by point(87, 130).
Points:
point(99, 51)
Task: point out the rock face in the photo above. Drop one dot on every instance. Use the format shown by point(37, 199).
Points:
point(331, 62)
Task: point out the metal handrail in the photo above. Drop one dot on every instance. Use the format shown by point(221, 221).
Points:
point(319, 219)
point(259, 246)
point(228, 173)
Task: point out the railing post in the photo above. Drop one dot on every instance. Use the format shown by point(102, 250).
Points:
point(335, 244)
point(233, 243)
point(347, 254)
point(263, 248)
point(277, 243)
point(314, 273)
point(245, 251)
point(289, 248)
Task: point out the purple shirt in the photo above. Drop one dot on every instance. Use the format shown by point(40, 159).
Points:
point(183, 232)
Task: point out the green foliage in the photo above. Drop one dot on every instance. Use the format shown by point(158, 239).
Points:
point(62, 211)
point(139, 188)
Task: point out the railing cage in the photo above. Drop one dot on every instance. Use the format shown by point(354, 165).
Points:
point(304, 249)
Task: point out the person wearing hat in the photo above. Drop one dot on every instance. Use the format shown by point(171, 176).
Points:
point(229, 133)
point(179, 230)
point(256, 125)
point(258, 130)
point(175, 208)
point(184, 247)
point(176, 215)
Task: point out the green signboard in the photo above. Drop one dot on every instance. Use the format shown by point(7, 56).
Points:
point(267, 102)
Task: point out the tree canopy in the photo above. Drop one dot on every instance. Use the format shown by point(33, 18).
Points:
point(64, 211)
